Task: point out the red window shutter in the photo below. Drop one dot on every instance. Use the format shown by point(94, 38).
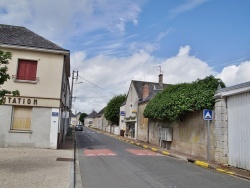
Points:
point(21, 70)
point(27, 70)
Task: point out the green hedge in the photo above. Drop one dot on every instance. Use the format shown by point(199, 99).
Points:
point(176, 100)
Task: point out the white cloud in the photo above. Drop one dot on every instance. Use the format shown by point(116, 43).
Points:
point(163, 34)
point(115, 73)
point(185, 7)
point(234, 74)
point(185, 68)
point(58, 22)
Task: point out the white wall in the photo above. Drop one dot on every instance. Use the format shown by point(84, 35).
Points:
point(39, 136)
point(49, 71)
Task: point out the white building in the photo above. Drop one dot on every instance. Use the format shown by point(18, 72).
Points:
point(39, 69)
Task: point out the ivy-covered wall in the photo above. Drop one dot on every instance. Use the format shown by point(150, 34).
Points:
point(177, 100)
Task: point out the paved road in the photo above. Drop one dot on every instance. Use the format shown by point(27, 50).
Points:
point(106, 162)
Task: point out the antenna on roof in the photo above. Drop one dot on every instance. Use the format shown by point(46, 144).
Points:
point(161, 72)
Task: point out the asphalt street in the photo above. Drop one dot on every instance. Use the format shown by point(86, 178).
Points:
point(106, 162)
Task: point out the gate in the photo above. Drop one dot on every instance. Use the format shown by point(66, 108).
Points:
point(239, 130)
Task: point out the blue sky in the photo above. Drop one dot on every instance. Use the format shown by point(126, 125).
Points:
point(115, 41)
point(217, 31)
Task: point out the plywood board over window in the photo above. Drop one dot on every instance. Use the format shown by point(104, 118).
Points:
point(21, 118)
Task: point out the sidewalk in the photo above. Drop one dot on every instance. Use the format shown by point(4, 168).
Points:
point(40, 168)
point(177, 154)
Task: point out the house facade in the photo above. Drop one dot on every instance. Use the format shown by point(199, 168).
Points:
point(139, 91)
point(98, 120)
point(88, 121)
point(40, 70)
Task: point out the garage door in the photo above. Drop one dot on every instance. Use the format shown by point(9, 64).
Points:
point(239, 130)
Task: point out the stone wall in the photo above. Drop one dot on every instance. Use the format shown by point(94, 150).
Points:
point(142, 124)
point(189, 135)
point(221, 132)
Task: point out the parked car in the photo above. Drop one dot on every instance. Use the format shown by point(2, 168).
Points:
point(78, 128)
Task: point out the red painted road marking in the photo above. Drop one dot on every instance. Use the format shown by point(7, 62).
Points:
point(98, 152)
point(143, 152)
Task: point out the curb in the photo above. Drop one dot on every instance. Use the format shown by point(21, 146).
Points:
point(78, 178)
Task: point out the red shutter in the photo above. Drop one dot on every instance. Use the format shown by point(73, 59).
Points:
point(21, 70)
point(27, 70)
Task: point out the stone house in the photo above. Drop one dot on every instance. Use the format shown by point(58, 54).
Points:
point(40, 70)
point(139, 91)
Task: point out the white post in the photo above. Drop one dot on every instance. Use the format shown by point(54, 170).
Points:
point(208, 140)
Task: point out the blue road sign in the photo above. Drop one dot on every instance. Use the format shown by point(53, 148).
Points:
point(207, 114)
point(122, 113)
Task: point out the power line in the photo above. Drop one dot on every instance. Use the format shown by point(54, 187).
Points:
point(93, 97)
point(97, 86)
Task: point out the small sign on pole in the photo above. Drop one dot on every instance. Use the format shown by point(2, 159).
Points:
point(208, 116)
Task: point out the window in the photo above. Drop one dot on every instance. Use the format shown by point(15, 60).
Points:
point(21, 118)
point(26, 70)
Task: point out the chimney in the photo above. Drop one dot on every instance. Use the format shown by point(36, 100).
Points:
point(145, 91)
point(161, 80)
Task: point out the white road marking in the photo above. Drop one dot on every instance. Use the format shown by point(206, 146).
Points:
point(90, 138)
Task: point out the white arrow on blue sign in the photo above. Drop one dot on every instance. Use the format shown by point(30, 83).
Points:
point(207, 114)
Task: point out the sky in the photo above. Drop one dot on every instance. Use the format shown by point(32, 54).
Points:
point(112, 42)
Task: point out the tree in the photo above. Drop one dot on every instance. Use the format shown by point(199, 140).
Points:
point(82, 116)
point(4, 76)
point(112, 111)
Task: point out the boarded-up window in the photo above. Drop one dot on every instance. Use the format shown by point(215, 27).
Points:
point(21, 118)
point(26, 70)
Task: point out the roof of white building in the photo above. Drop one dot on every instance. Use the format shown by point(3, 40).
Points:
point(21, 36)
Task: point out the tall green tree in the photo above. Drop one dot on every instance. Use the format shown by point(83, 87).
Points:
point(82, 116)
point(112, 111)
point(4, 76)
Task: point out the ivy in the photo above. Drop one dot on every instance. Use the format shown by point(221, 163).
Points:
point(177, 100)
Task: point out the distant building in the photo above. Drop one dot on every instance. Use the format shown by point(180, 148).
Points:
point(40, 70)
point(98, 120)
point(73, 119)
point(88, 121)
point(78, 117)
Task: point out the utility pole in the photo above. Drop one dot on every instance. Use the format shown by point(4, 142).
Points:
point(74, 77)
point(74, 80)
